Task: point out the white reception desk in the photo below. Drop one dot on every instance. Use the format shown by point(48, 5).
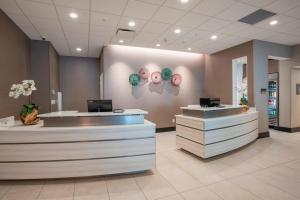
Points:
point(87, 149)
point(208, 132)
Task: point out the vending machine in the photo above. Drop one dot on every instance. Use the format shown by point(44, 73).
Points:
point(273, 110)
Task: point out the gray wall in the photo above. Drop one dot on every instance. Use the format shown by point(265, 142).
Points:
point(79, 81)
point(14, 64)
point(163, 101)
point(261, 51)
point(44, 70)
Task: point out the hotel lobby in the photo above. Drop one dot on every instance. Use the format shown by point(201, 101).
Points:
point(149, 99)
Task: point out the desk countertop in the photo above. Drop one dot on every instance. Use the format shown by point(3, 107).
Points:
point(205, 109)
point(93, 114)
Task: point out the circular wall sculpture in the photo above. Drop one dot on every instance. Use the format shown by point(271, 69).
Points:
point(134, 79)
point(144, 73)
point(176, 80)
point(166, 74)
point(156, 77)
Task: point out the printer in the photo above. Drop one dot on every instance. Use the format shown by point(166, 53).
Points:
point(210, 102)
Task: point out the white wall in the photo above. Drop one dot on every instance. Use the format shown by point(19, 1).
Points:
point(162, 102)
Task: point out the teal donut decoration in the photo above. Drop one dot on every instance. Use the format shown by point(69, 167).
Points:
point(134, 79)
point(166, 74)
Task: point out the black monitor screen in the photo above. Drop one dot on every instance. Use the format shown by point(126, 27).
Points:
point(99, 105)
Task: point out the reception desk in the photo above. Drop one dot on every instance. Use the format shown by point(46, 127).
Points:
point(90, 148)
point(207, 132)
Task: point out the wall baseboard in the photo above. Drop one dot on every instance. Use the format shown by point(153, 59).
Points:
point(263, 135)
point(165, 129)
point(286, 129)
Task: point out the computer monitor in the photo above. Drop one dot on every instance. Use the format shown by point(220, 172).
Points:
point(99, 105)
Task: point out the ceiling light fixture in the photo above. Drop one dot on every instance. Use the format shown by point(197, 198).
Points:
point(184, 1)
point(121, 41)
point(131, 23)
point(158, 45)
point(213, 37)
point(189, 49)
point(73, 15)
point(78, 49)
point(177, 31)
point(273, 22)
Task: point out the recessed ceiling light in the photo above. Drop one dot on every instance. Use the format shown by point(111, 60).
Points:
point(177, 31)
point(213, 37)
point(158, 45)
point(189, 49)
point(78, 49)
point(273, 22)
point(184, 1)
point(73, 15)
point(131, 23)
point(121, 41)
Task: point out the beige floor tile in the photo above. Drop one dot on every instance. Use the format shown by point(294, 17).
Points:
point(201, 171)
point(281, 177)
point(4, 189)
point(58, 190)
point(24, 195)
point(91, 197)
point(92, 188)
point(200, 194)
point(294, 165)
point(180, 180)
point(122, 185)
point(132, 195)
point(261, 189)
point(155, 186)
point(229, 191)
point(172, 197)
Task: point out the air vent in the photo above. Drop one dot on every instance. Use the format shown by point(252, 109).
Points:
point(125, 34)
point(257, 16)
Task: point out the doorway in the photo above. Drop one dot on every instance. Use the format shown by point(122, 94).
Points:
point(239, 81)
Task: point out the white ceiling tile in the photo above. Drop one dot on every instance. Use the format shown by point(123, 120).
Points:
point(42, 1)
point(83, 15)
point(96, 39)
point(157, 2)
point(79, 4)
point(294, 12)
point(72, 27)
point(10, 7)
point(35, 9)
point(61, 47)
point(214, 24)
point(102, 30)
point(109, 6)
point(282, 20)
point(146, 36)
point(30, 32)
point(138, 23)
point(168, 15)
point(234, 27)
point(259, 3)
point(94, 51)
point(102, 19)
point(143, 43)
point(192, 20)
point(283, 39)
point(181, 6)
point(156, 27)
point(280, 6)
point(140, 9)
point(20, 20)
point(213, 7)
point(198, 34)
point(237, 11)
point(42, 23)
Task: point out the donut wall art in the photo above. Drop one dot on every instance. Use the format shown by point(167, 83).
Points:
point(156, 77)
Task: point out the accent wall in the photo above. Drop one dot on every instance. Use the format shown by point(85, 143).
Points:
point(164, 100)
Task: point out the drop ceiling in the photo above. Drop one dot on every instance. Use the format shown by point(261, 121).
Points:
point(155, 22)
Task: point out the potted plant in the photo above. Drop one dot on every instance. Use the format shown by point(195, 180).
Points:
point(29, 112)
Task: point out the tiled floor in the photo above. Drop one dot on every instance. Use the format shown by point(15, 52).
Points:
point(266, 169)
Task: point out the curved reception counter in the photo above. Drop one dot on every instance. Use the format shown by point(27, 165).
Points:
point(90, 148)
point(207, 132)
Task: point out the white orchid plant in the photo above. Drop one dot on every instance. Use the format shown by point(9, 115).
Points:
point(25, 88)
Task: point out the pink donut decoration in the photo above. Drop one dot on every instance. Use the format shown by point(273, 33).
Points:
point(144, 73)
point(156, 77)
point(176, 80)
